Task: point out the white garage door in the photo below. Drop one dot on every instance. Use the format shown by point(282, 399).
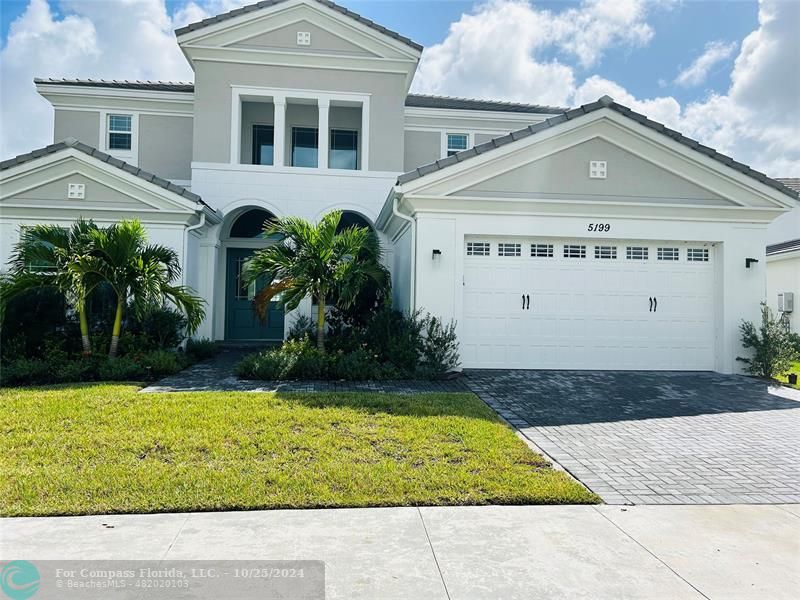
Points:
point(587, 304)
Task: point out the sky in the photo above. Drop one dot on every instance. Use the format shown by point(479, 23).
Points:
point(722, 72)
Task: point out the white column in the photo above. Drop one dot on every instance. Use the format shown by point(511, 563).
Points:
point(279, 132)
point(322, 152)
point(364, 141)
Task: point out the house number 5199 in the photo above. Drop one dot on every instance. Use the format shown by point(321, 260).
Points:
point(599, 226)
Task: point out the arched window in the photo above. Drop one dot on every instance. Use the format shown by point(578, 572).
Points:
point(250, 224)
point(352, 219)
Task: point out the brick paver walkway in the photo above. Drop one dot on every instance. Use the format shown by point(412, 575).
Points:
point(657, 438)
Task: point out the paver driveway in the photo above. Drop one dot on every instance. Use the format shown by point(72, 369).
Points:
point(657, 438)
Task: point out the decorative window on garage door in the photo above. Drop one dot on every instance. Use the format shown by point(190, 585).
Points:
point(574, 251)
point(542, 250)
point(697, 254)
point(668, 254)
point(605, 252)
point(505, 249)
point(478, 248)
point(636, 252)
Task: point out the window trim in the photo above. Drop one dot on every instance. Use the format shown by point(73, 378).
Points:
point(292, 129)
point(253, 150)
point(129, 156)
point(445, 140)
point(567, 250)
point(509, 249)
point(705, 253)
point(331, 148)
point(478, 248)
point(637, 253)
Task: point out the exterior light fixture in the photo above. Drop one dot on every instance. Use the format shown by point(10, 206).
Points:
point(436, 253)
point(749, 261)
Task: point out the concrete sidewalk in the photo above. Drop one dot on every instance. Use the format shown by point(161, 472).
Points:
point(459, 553)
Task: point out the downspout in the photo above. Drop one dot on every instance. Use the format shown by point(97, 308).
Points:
point(186, 231)
point(413, 279)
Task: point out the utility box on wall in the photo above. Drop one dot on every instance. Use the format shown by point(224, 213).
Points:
point(786, 302)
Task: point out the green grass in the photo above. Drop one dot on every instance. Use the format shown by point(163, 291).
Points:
point(95, 449)
point(784, 379)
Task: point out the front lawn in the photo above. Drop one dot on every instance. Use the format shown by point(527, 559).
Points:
point(107, 449)
point(784, 379)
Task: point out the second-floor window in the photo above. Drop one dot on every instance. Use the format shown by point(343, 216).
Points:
point(263, 144)
point(305, 142)
point(120, 132)
point(456, 142)
point(344, 149)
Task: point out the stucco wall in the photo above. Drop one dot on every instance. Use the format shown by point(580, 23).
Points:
point(783, 275)
point(165, 146)
point(213, 105)
point(421, 148)
point(82, 125)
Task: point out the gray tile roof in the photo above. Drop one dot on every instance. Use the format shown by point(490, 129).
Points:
point(783, 247)
point(103, 157)
point(267, 3)
point(790, 182)
point(576, 113)
point(155, 86)
point(449, 102)
point(415, 100)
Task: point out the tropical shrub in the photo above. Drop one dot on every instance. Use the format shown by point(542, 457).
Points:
point(122, 368)
point(771, 344)
point(302, 327)
point(201, 349)
point(439, 345)
point(388, 345)
point(163, 326)
point(318, 261)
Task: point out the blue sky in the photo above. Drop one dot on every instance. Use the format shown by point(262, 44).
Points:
point(684, 63)
point(680, 34)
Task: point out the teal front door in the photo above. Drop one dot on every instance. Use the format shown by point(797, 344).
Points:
point(241, 321)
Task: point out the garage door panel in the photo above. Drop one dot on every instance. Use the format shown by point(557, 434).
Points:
point(588, 313)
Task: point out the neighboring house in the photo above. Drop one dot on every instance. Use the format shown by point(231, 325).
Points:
point(783, 262)
point(586, 239)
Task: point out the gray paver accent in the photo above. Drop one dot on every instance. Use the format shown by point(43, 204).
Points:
point(657, 438)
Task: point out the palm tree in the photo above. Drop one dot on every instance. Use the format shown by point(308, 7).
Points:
point(137, 272)
point(315, 260)
point(42, 258)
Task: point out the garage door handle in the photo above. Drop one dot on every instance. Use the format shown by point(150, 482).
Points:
point(655, 304)
point(651, 304)
point(529, 301)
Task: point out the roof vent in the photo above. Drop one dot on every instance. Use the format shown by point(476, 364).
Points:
point(76, 191)
point(598, 169)
point(303, 38)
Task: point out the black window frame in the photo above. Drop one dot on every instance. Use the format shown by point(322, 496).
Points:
point(295, 131)
point(256, 151)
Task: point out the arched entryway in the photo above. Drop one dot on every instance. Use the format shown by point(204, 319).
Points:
point(245, 236)
point(353, 219)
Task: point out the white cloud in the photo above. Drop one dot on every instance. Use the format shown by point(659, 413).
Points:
point(499, 51)
point(494, 51)
point(124, 39)
point(504, 49)
point(697, 72)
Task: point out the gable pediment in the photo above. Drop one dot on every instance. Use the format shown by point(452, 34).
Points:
point(41, 187)
point(565, 175)
point(274, 29)
point(644, 167)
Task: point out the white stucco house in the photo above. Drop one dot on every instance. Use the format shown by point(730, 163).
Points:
point(783, 262)
point(590, 238)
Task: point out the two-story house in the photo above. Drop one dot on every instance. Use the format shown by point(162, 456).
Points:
point(589, 238)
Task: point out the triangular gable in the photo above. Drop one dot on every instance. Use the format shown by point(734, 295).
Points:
point(273, 26)
point(285, 38)
point(565, 174)
point(506, 168)
point(41, 184)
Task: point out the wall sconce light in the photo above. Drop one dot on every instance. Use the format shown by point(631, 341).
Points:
point(749, 261)
point(436, 253)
